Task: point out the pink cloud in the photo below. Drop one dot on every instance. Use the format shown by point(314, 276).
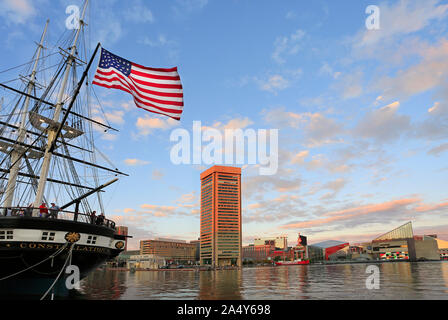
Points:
point(352, 213)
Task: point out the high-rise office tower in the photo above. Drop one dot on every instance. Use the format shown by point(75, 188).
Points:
point(221, 216)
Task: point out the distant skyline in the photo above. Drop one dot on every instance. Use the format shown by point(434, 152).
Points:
point(362, 114)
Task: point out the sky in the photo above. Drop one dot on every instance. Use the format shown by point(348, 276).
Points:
point(362, 115)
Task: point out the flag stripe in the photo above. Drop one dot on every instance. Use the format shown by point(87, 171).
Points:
point(156, 90)
point(144, 99)
point(128, 82)
point(155, 69)
point(169, 112)
point(153, 76)
point(142, 91)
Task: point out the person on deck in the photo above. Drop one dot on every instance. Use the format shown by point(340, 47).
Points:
point(93, 217)
point(100, 219)
point(29, 210)
point(54, 210)
point(43, 210)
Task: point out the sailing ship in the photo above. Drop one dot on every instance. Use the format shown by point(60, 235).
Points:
point(48, 126)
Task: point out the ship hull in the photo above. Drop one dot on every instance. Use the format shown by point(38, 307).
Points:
point(33, 240)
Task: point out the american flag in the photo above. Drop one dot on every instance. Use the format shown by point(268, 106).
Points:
point(154, 89)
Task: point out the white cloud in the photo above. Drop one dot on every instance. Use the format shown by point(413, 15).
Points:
point(326, 69)
point(183, 8)
point(317, 128)
point(139, 13)
point(157, 174)
point(384, 124)
point(299, 158)
point(350, 84)
point(237, 123)
point(135, 162)
point(287, 45)
point(17, 11)
point(116, 116)
point(426, 75)
point(147, 124)
point(275, 83)
point(436, 151)
point(290, 15)
point(401, 18)
point(161, 41)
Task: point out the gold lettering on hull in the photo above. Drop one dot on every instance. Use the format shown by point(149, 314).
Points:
point(49, 246)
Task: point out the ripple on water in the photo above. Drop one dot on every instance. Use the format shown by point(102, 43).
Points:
point(397, 281)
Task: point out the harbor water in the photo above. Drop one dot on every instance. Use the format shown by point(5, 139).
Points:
point(401, 280)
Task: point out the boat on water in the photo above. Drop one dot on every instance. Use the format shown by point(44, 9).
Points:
point(48, 125)
point(298, 254)
point(292, 263)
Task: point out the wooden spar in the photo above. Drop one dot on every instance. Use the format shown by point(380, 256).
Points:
point(77, 200)
point(43, 136)
point(63, 156)
point(27, 175)
point(78, 88)
point(63, 109)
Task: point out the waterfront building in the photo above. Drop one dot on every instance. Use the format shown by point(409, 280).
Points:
point(329, 250)
point(122, 259)
point(146, 261)
point(402, 244)
point(258, 253)
point(221, 216)
point(172, 250)
point(280, 243)
point(443, 248)
point(197, 249)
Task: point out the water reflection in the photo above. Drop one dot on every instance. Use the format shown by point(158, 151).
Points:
point(102, 283)
point(346, 281)
point(220, 285)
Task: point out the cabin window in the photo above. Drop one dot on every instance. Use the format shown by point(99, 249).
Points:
point(6, 234)
point(91, 240)
point(48, 236)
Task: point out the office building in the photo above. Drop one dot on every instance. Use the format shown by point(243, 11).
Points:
point(197, 249)
point(172, 250)
point(221, 217)
point(258, 253)
point(280, 243)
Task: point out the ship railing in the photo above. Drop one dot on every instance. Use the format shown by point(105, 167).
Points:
point(61, 215)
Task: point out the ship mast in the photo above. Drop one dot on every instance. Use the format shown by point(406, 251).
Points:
point(16, 155)
point(52, 134)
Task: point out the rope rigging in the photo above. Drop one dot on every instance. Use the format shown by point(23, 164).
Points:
point(69, 257)
point(55, 254)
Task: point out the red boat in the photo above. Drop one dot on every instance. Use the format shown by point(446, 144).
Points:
point(292, 263)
